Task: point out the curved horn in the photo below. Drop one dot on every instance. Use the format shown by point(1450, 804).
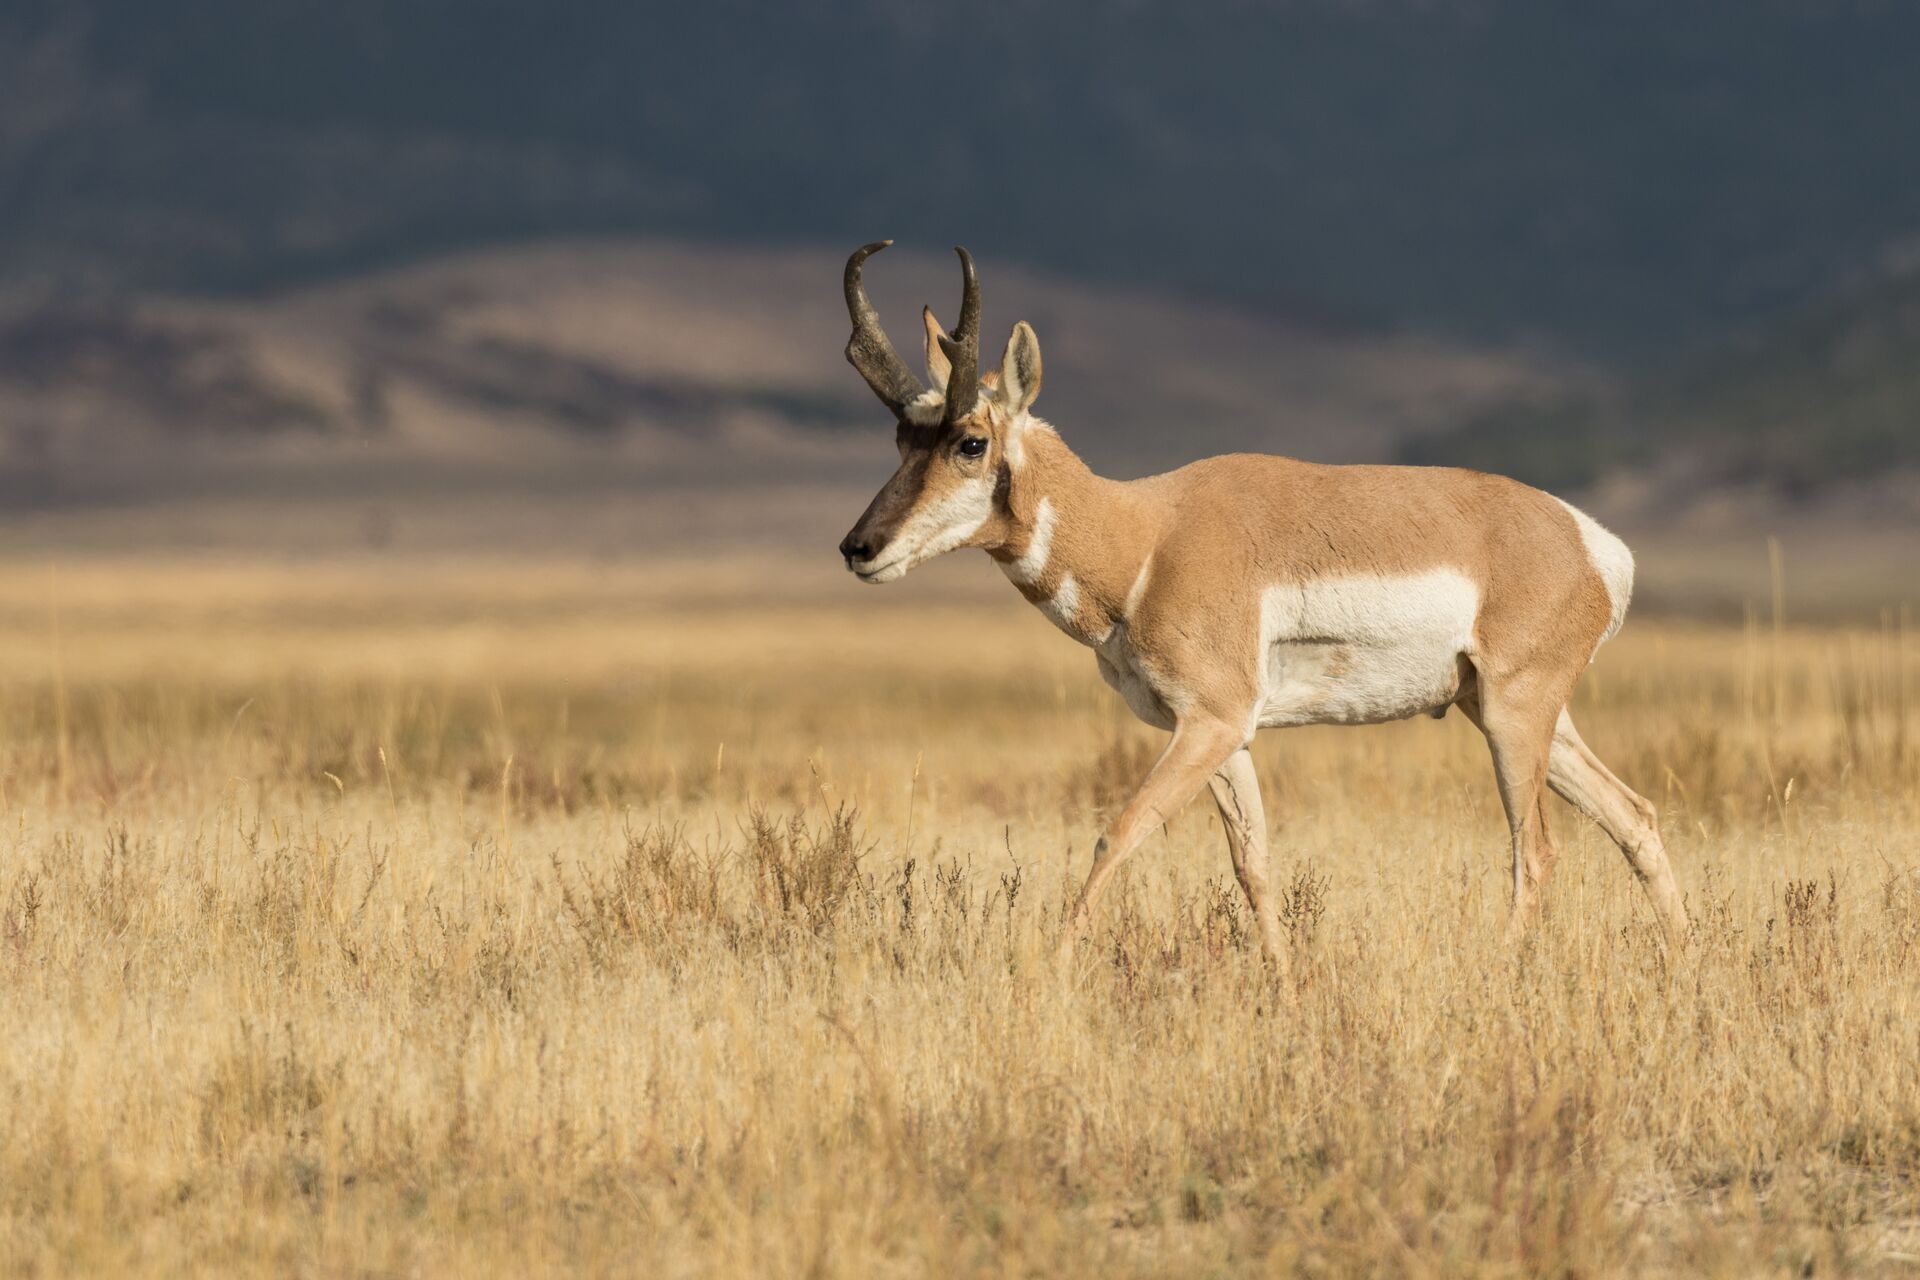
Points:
point(963, 348)
point(868, 349)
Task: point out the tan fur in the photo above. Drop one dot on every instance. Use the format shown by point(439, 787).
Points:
point(1166, 578)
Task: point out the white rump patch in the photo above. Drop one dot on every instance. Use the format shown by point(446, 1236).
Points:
point(1026, 568)
point(1611, 560)
point(1366, 648)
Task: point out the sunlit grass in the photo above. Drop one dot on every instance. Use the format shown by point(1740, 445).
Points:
point(513, 918)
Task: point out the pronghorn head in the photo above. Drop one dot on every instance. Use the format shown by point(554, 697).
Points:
point(959, 440)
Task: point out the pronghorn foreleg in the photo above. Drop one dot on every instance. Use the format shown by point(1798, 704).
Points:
point(1628, 819)
point(1198, 748)
point(1237, 792)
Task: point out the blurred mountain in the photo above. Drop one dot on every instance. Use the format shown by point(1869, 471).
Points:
point(569, 364)
point(1822, 402)
point(1614, 177)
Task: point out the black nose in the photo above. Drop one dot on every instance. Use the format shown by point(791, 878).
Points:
point(856, 547)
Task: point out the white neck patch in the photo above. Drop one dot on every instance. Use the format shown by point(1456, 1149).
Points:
point(1063, 606)
point(1032, 562)
point(1138, 591)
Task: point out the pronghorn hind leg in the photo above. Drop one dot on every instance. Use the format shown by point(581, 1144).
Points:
point(1236, 790)
point(1197, 749)
point(1517, 716)
point(1548, 851)
point(1629, 820)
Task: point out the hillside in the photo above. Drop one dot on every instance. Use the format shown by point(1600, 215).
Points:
point(657, 361)
point(1821, 406)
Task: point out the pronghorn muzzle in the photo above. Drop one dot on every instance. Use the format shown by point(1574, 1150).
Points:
point(866, 546)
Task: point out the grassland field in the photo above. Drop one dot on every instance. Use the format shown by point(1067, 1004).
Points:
point(389, 916)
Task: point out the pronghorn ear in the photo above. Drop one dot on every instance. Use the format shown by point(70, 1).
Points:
point(939, 368)
point(1019, 370)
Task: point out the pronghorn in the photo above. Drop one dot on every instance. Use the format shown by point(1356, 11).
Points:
point(1247, 592)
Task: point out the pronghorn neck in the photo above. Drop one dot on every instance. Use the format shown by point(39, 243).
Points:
point(1078, 545)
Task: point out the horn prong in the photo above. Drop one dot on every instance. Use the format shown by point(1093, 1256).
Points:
point(963, 348)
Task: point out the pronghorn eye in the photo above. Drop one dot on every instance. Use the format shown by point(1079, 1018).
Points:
point(973, 446)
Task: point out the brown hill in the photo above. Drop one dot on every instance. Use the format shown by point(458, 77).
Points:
point(656, 361)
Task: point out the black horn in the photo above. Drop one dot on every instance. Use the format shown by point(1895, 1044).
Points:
point(963, 348)
point(868, 349)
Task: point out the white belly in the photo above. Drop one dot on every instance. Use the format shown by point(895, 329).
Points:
point(1364, 649)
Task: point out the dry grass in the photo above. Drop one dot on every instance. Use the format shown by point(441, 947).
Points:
point(479, 919)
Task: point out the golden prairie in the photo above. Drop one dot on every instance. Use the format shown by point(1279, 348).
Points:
point(509, 917)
